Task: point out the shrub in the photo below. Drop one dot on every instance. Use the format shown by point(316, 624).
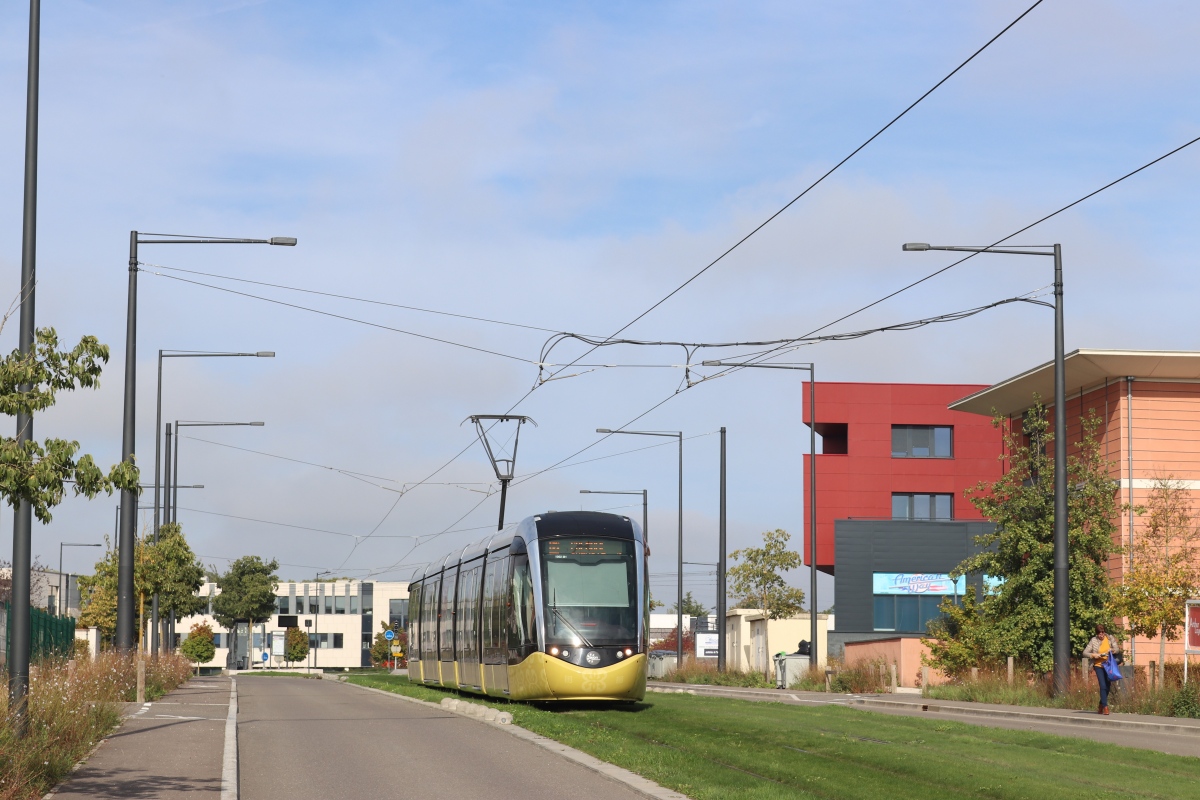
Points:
point(198, 647)
point(82, 651)
point(706, 673)
point(295, 645)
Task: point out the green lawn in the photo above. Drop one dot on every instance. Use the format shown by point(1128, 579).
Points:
point(708, 747)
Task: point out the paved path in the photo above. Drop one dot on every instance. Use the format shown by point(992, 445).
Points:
point(168, 749)
point(317, 738)
point(1165, 734)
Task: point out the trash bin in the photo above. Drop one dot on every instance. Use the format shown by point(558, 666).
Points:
point(660, 663)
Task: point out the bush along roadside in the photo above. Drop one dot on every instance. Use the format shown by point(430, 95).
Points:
point(71, 708)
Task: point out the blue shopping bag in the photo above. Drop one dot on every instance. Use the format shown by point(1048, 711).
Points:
point(1112, 669)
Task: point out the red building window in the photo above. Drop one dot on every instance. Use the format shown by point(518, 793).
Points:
point(922, 441)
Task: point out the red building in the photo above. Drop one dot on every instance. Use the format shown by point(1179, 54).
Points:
point(895, 451)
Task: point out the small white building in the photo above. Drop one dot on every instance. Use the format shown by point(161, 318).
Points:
point(749, 634)
point(340, 616)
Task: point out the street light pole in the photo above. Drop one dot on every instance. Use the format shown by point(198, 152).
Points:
point(679, 600)
point(154, 647)
point(19, 633)
point(317, 616)
point(1062, 609)
point(810, 368)
point(721, 558)
point(125, 605)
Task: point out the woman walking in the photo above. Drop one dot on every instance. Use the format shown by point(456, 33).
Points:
point(1101, 649)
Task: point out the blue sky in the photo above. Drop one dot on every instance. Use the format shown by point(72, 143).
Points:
point(564, 166)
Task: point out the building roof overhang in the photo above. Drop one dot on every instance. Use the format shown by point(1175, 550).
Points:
point(1085, 369)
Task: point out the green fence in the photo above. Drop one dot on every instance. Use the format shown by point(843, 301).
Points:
point(50, 636)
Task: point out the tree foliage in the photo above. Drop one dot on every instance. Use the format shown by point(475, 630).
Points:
point(1016, 617)
point(198, 647)
point(295, 645)
point(37, 472)
point(175, 572)
point(1163, 572)
point(759, 577)
point(381, 648)
point(691, 606)
point(247, 592)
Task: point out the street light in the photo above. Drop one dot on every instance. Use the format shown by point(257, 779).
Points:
point(125, 608)
point(154, 647)
point(59, 605)
point(679, 600)
point(171, 500)
point(810, 368)
point(1062, 611)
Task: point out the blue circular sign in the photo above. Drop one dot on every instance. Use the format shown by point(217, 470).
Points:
point(265, 656)
point(389, 634)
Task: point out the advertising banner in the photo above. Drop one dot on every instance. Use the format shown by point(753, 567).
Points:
point(706, 645)
point(1191, 640)
point(917, 583)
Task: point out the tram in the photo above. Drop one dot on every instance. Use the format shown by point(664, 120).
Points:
point(555, 611)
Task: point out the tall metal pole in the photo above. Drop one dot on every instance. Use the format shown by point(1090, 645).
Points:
point(19, 633)
point(1062, 611)
point(154, 646)
point(721, 566)
point(173, 488)
point(812, 511)
point(168, 506)
point(58, 603)
point(125, 604)
point(645, 516)
point(679, 594)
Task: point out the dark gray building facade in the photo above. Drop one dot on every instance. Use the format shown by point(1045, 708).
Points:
point(884, 553)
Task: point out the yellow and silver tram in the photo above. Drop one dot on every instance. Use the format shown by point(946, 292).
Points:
point(555, 611)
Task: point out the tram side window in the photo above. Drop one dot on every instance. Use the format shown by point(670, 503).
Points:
point(429, 622)
point(414, 622)
point(468, 610)
point(522, 637)
point(495, 640)
point(446, 641)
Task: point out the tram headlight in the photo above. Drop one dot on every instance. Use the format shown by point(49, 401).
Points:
point(566, 653)
point(620, 654)
point(628, 651)
point(553, 651)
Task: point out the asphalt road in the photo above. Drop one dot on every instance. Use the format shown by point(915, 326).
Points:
point(314, 738)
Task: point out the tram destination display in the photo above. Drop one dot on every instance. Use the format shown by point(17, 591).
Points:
point(584, 547)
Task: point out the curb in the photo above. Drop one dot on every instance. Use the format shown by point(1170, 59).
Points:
point(635, 782)
point(1033, 717)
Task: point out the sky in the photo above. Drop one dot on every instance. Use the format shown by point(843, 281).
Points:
point(565, 166)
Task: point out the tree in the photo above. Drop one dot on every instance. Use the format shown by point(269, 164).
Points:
point(1162, 573)
point(669, 642)
point(37, 590)
point(175, 573)
point(654, 604)
point(1016, 616)
point(247, 595)
point(759, 576)
point(198, 647)
point(37, 472)
point(295, 645)
point(691, 607)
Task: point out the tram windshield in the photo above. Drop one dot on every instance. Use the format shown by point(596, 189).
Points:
point(590, 591)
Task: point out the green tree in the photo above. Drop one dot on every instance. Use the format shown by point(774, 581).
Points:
point(654, 604)
point(37, 472)
point(1016, 616)
point(1163, 572)
point(175, 572)
point(691, 606)
point(198, 647)
point(759, 576)
point(295, 645)
point(98, 592)
point(247, 595)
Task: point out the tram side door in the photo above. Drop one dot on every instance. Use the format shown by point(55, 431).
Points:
point(430, 590)
point(467, 639)
point(495, 633)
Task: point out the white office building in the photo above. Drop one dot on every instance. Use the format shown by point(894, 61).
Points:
point(340, 616)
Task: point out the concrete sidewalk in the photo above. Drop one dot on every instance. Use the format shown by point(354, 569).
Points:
point(171, 748)
point(1166, 734)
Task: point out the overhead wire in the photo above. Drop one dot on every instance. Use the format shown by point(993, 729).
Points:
point(819, 180)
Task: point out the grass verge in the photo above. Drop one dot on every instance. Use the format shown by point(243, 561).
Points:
point(707, 747)
point(70, 711)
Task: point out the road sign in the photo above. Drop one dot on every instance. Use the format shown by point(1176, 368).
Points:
point(389, 634)
point(397, 649)
point(265, 656)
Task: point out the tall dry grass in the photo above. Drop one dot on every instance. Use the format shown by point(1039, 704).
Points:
point(705, 673)
point(68, 712)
